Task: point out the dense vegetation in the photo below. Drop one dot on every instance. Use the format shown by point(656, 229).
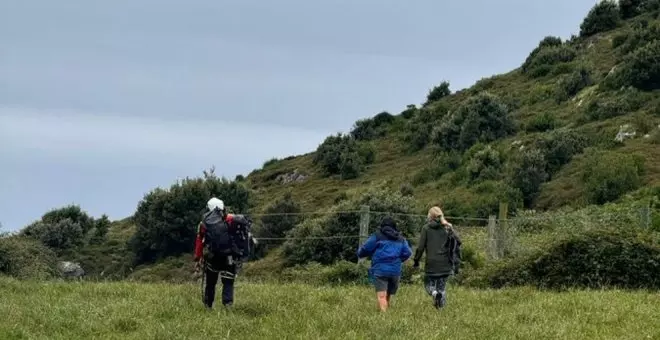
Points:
point(575, 130)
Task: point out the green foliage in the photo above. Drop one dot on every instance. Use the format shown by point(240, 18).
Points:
point(26, 258)
point(167, 220)
point(371, 128)
point(486, 164)
point(607, 176)
point(270, 162)
point(528, 173)
point(59, 235)
point(640, 36)
point(559, 147)
point(542, 122)
point(550, 52)
point(632, 8)
point(337, 222)
point(101, 227)
point(407, 189)
point(602, 17)
point(571, 84)
point(438, 92)
point(341, 155)
point(71, 212)
point(419, 129)
point(442, 163)
point(481, 118)
point(279, 218)
point(614, 104)
point(640, 69)
point(621, 257)
point(409, 112)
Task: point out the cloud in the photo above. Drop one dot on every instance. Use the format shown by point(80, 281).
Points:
point(68, 136)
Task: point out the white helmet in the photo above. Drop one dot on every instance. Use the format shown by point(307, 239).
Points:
point(215, 203)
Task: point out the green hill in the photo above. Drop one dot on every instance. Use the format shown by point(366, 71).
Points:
point(577, 126)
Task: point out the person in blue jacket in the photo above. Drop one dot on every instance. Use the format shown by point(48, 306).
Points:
point(388, 250)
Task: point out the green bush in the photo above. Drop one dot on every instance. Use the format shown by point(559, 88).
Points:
point(570, 85)
point(608, 258)
point(640, 69)
point(279, 217)
point(59, 236)
point(639, 37)
point(547, 56)
point(602, 17)
point(542, 122)
point(419, 129)
point(633, 8)
point(438, 92)
point(485, 165)
point(342, 155)
point(614, 104)
point(607, 176)
point(371, 128)
point(528, 173)
point(101, 227)
point(480, 118)
point(342, 221)
point(167, 220)
point(270, 162)
point(409, 112)
point(442, 163)
point(559, 147)
point(26, 258)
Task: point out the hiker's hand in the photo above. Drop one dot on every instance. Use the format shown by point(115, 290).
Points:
point(198, 266)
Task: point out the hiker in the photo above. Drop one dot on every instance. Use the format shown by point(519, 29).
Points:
point(221, 245)
point(442, 246)
point(388, 250)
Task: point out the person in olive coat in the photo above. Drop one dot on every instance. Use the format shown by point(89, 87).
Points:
point(442, 247)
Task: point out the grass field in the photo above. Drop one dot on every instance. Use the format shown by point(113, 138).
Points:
point(32, 310)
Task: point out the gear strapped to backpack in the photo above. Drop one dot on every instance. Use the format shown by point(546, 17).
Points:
point(217, 238)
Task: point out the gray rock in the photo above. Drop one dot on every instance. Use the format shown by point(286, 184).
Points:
point(70, 269)
point(625, 132)
point(293, 177)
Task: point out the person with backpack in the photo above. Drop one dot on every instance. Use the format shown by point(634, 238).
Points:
point(222, 243)
point(443, 255)
point(388, 250)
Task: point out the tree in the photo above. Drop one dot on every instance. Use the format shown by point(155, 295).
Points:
point(341, 155)
point(101, 228)
point(167, 220)
point(528, 174)
point(280, 217)
point(438, 92)
point(603, 17)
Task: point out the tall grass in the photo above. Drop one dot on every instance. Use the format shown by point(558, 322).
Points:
point(125, 310)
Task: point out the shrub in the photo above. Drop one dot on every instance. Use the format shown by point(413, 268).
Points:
point(602, 17)
point(59, 236)
point(409, 112)
point(481, 118)
point(279, 217)
point(639, 37)
point(640, 69)
point(572, 84)
point(621, 257)
point(614, 105)
point(542, 122)
point(559, 147)
point(26, 258)
point(167, 220)
point(101, 227)
point(543, 59)
point(407, 189)
point(270, 162)
point(438, 92)
point(441, 164)
point(632, 8)
point(486, 164)
point(341, 155)
point(338, 223)
point(420, 127)
point(607, 176)
point(528, 173)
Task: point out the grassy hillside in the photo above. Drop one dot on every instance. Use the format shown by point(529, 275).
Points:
point(160, 311)
point(541, 96)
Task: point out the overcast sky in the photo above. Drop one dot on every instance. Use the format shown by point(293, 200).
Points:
point(102, 101)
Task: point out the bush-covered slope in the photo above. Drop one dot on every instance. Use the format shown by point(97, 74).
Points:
point(529, 136)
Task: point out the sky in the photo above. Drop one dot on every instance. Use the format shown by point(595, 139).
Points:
point(103, 101)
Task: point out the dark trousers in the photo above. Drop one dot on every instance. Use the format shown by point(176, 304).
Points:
point(224, 269)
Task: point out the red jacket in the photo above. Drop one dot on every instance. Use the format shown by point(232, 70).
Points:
point(201, 229)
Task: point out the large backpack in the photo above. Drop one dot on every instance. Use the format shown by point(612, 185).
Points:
point(217, 239)
point(454, 246)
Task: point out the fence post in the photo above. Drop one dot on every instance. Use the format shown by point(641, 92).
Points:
point(502, 229)
point(364, 226)
point(492, 245)
point(646, 216)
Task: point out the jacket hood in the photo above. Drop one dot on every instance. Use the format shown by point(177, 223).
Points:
point(388, 228)
point(435, 224)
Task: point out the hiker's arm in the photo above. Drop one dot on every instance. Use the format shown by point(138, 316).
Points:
point(421, 246)
point(368, 247)
point(198, 241)
point(406, 251)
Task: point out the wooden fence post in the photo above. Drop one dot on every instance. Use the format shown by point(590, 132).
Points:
point(502, 229)
point(492, 241)
point(365, 217)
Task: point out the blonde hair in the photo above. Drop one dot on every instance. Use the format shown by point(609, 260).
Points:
point(434, 213)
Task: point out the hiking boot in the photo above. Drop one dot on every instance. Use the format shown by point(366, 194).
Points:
point(439, 299)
